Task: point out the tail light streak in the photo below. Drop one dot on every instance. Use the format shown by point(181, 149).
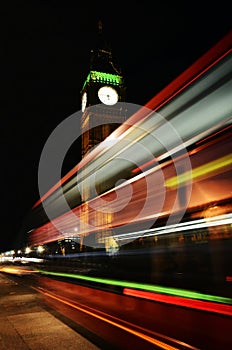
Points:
point(123, 325)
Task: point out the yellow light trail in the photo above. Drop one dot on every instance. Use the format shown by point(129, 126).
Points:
point(199, 171)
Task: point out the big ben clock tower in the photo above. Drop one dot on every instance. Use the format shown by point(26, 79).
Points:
point(101, 93)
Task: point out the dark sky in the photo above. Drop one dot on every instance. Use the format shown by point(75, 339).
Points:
point(45, 53)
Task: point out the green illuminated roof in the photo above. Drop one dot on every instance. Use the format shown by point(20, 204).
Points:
point(105, 78)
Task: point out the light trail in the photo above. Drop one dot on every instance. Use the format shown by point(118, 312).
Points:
point(190, 303)
point(200, 171)
point(121, 324)
point(225, 219)
point(150, 288)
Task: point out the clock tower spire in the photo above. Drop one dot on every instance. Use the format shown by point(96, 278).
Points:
point(101, 94)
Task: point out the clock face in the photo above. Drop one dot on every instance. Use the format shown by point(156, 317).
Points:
point(83, 101)
point(108, 95)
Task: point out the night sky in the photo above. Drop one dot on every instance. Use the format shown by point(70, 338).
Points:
point(45, 56)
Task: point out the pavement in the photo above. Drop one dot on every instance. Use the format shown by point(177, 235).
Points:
point(26, 324)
